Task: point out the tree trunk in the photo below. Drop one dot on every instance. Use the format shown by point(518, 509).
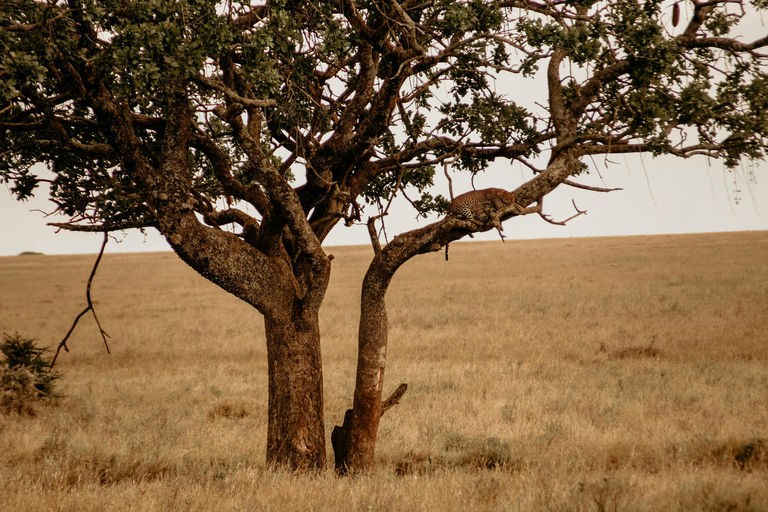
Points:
point(354, 443)
point(296, 432)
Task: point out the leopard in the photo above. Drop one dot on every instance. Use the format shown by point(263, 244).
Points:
point(468, 205)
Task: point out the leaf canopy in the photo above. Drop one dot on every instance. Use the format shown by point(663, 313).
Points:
point(350, 102)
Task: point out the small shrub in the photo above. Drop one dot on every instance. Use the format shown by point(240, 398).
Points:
point(25, 376)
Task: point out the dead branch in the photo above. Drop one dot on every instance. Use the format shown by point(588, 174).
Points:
point(450, 181)
point(90, 308)
point(562, 222)
point(105, 228)
point(589, 187)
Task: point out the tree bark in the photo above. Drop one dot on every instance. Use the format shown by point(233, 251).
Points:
point(357, 440)
point(295, 432)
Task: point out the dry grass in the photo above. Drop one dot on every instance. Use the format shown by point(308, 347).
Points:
point(587, 374)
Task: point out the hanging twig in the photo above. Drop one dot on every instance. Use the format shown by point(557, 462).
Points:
point(104, 335)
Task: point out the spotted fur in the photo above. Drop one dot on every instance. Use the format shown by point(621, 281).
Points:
point(468, 205)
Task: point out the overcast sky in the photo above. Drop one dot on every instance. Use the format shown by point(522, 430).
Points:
point(662, 195)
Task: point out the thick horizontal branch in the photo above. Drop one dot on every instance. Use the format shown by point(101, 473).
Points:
point(410, 152)
point(29, 27)
point(22, 127)
point(487, 152)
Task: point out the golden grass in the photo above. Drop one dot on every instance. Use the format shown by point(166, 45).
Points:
point(582, 374)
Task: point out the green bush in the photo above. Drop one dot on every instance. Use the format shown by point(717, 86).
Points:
point(25, 376)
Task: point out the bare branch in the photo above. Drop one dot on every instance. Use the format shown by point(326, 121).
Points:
point(106, 227)
point(589, 187)
point(561, 223)
point(232, 95)
point(394, 398)
point(104, 335)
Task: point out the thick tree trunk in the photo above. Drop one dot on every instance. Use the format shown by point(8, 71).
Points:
point(296, 432)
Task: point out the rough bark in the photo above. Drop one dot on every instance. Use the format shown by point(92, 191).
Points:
point(295, 433)
point(359, 447)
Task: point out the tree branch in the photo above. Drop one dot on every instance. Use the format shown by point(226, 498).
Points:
point(104, 335)
point(562, 222)
point(223, 171)
point(589, 187)
point(231, 95)
point(106, 227)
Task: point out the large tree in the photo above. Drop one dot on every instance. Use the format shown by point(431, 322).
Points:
point(245, 133)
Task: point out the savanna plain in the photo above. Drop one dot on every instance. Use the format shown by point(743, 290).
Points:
point(571, 374)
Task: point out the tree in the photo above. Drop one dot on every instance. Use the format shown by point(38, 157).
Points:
point(246, 133)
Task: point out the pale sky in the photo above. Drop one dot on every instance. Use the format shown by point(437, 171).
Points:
point(662, 195)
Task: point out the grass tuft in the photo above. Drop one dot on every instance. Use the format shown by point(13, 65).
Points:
point(228, 411)
point(635, 352)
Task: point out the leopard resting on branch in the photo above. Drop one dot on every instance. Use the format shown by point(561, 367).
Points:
point(479, 203)
point(468, 205)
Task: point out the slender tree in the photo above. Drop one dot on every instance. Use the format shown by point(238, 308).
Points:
point(245, 132)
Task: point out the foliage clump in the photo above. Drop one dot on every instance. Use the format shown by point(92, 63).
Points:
point(25, 376)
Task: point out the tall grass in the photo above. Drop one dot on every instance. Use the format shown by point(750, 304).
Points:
point(583, 374)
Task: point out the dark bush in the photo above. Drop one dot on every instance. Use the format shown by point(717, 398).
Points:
point(25, 376)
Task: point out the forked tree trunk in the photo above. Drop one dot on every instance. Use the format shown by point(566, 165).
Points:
point(296, 432)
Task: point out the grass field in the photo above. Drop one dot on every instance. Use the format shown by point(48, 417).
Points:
point(609, 374)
